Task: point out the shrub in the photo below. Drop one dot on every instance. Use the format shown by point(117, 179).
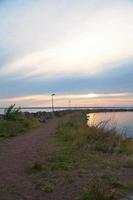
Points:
point(12, 113)
point(97, 190)
point(108, 141)
point(32, 168)
point(62, 161)
point(11, 128)
point(45, 187)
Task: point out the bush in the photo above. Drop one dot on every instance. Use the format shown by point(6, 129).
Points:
point(97, 190)
point(12, 113)
point(32, 168)
point(108, 141)
point(11, 128)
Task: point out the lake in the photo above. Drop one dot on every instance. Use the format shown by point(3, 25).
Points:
point(123, 121)
point(34, 110)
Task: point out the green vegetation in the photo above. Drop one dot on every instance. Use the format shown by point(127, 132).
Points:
point(9, 128)
point(96, 190)
point(12, 113)
point(15, 123)
point(64, 161)
point(32, 168)
point(46, 187)
point(114, 183)
point(93, 156)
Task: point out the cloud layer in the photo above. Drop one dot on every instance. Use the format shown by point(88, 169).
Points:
point(66, 46)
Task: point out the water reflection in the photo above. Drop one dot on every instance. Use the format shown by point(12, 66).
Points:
point(123, 121)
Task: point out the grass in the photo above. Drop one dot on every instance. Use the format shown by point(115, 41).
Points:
point(71, 135)
point(93, 148)
point(94, 156)
point(15, 123)
point(114, 183)
point(32, 168)
point(96, 190)
point(62, 161)
point(45, 186)
point(11, 128)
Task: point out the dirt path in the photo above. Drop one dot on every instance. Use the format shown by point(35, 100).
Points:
point(16, 153)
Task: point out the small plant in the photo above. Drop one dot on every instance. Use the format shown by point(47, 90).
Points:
point(58, 162)
point(12, 128)
point(62, 161)
point(32, 168)
point(88, 196)
point(97, 190)
point(69, 179)
point(46, 187)
point(128, 163)
point(12, 113)
point(57, 113)
point(114, 183)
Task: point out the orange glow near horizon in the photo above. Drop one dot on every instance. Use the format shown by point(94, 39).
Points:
point(90, 99)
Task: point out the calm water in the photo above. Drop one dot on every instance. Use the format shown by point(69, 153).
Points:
point(123, 121)
point(47, 109)
point(33, 110)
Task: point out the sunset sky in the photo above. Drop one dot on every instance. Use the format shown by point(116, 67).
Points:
point(81, 50)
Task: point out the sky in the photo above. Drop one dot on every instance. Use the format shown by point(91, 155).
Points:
point(81, 50)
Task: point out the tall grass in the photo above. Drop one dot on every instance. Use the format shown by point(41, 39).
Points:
point(93, 155)
point(92, 148)
point(15, 123)
point(97, 190)
point(13, 113)
point(96, 138)
point(11, 128)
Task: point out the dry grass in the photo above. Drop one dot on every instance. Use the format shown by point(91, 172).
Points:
point(11, 128)
point(98, 149)
point(100, 158)
point(98, 190)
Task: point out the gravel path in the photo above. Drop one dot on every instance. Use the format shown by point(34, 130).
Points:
point(16, 153)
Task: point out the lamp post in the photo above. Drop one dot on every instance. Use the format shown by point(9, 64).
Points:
point(52, 95)
point(69, 104)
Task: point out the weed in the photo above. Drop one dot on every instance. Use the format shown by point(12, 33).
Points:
point(88, 196)
point(46, 187)
point(114, 183)
point(35, 167)
point(97, 190)
point(13, 114)
point(87, 151)
point(11, 128)
point(62, 161)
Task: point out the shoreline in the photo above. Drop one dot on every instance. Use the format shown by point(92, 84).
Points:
point(63, 159)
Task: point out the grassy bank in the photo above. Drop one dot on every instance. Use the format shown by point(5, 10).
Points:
point(15, 123)
point(10, 128)
point(100, 162)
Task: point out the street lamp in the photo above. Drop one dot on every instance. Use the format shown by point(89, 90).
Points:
point(52, 95)
point(69, 104)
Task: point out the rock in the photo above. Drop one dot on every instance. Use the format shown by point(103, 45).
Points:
point(41, 116)
point(2, 116)
point(130, 197)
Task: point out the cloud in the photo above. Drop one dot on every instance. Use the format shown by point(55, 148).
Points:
point(90, 99)
point(67, 47)
point(62, 40)
point(111, 81)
